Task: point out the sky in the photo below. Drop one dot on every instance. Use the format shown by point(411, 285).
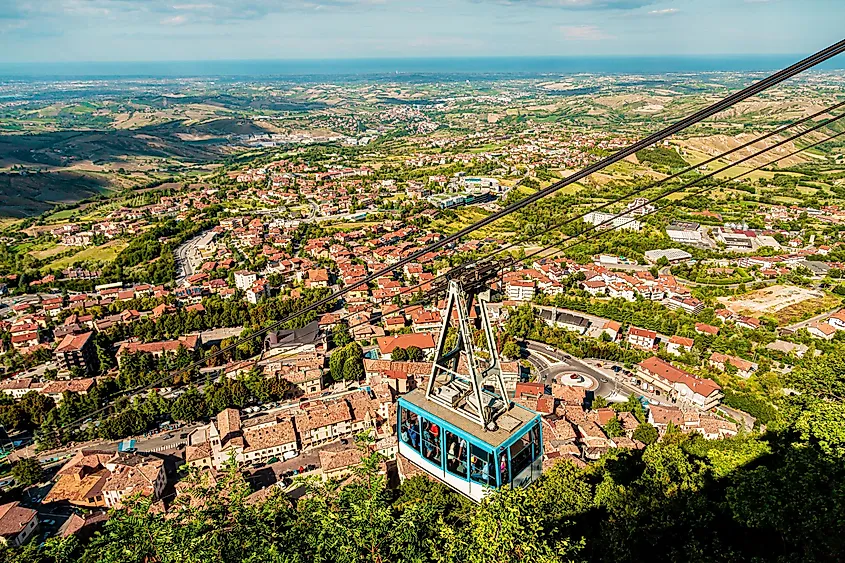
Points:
point(200, 30)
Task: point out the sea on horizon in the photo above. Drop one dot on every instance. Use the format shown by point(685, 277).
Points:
point(512, 66)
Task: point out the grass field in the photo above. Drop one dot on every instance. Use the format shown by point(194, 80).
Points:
point(807, 309)
point(48, 252)
point(104, 253)
point(62, 215)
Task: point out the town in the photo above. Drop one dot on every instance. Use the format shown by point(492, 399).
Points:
point(304, 314)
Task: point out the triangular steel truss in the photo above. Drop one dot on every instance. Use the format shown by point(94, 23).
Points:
point(464, 393)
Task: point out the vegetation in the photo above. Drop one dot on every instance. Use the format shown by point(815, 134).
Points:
point(766, 498)
point(662, 156)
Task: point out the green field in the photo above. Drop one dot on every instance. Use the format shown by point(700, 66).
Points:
point(104, 253)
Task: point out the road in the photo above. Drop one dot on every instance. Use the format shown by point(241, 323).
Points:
point(161, 441)
point(182, 254)
point(599, 382)
point(605, 382)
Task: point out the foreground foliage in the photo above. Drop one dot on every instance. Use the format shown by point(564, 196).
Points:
point(778, 497)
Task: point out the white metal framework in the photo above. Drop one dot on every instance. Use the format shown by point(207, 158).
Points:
point(447, 386)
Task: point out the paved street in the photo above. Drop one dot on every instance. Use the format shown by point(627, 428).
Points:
point(183, 254)
point(605, 382)
point(161, 441)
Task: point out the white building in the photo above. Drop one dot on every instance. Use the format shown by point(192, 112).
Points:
point(521, 290)
point(683, 232)
point(244, 280)
point(611, 220)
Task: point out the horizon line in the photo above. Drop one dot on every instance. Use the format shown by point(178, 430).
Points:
point(410, 58)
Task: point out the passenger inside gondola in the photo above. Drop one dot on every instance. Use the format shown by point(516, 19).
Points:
point(456, 455)
point(480, 467)
point(410, 433)
point(503, 468)
point(431, 441)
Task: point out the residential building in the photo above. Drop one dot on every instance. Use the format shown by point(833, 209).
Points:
point(158, 349)
point(703, 328)
point(76, 351)
point(337, 465)
point(744, 368)
point(642, 338)
point(402, 377)
point(821, 330)
point(521, 290)
point(17, 523)
point(422, 340)
point(708, 425)
point(612, 329)
point(244, 279)
point(677, 345)
point(747, 322)
point(837, 320)
point(689, 305)
point(56, 389)
point(664, 379)
point(16, 388)
point(95, 478)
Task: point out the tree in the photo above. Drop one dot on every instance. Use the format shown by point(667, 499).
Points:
point(336, 362)
point(340, 334)
point(414, 354)
point(613, 428)
point(27, 472)
point(646, 433)
point(599, 402)
point(190, 407)
point(511, 350)
point(399, 355)
point(353, 369)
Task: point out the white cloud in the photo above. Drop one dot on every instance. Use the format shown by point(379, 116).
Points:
point(579, 4)
point(181, 19)
point(664, 12)
point(583, 33)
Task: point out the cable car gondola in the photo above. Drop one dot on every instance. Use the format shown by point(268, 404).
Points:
point(459, 430)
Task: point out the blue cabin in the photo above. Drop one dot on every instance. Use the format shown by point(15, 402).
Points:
point(461, 453)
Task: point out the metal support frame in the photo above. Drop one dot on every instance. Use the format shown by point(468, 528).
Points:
point(446, 362)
